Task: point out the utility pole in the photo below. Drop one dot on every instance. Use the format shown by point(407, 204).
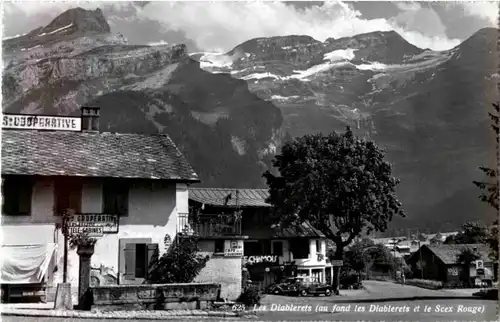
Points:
point(65, 230)
point(65, 249)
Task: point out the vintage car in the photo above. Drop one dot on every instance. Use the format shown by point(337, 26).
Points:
point(282, 287)
point(300, 286)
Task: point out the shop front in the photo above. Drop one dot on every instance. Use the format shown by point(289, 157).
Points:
point(266, 270)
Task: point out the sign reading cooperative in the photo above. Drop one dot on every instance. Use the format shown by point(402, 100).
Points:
point(260, 259)
point(41, 122)
point(93, 224)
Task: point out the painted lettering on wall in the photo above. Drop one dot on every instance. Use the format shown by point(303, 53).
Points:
point(41, 122)
point(453, 271)
point(260, 259)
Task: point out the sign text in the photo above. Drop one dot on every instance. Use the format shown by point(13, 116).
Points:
point(41, 122)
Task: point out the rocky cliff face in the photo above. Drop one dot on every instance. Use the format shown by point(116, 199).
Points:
point(228, 113)
point(224, 130)
point(427, 109)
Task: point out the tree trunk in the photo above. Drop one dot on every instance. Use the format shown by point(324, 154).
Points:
point(339, 252)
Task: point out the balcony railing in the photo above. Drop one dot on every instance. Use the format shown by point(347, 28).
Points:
point(209, 225)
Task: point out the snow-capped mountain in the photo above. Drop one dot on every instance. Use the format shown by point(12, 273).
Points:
point(229, 112)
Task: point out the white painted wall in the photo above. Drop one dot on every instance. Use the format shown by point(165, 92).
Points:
point(153, 209)
point(312, 260)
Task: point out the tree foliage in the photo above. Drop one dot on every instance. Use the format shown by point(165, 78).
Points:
point(181, 263)
point(358, 254)
point(337, 182)
point(466, 257)
point(489, 187)
point(472, 233)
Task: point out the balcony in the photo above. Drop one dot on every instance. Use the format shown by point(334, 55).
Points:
point(209, 225)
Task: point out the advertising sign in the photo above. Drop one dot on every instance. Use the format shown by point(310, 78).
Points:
point(260, 259)
point(93, 224)
point(233, 248)
point(41, 122)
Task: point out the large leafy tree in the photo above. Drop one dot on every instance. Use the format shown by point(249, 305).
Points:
point(339, 183)
point(489, 187)
point(472, 233)
point(466, 257)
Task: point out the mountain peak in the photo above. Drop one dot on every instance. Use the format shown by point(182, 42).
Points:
point(78, 20)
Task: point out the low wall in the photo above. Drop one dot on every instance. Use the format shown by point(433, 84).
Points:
point(155, 296)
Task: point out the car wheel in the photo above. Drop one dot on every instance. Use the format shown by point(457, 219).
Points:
point(328, 292)
point(303, 293)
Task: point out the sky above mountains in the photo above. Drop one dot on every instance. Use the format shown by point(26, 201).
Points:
point(219, 26)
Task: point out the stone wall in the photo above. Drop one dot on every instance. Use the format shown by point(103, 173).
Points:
point(155, 296)
point(226, 271)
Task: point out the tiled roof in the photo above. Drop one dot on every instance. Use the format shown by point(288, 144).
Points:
point(303, 230)
point(217, 197)
point(448, 252)
point(88, 154)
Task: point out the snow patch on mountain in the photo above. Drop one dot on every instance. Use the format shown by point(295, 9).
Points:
point(55, 31)
point(372, 66)
point(340, 54)
point(158, 43)
point(13, 37)
point(260, 76)
point(304, 74)
point(214, 60)
point(283, 98)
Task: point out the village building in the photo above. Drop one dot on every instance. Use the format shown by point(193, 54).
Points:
point(440, 263)
point(236, 229)
point(127, 189)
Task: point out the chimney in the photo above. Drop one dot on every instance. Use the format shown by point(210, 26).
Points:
point(90, 118)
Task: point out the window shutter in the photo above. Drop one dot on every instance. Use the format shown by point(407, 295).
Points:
point(129, 254)
point(152, 250)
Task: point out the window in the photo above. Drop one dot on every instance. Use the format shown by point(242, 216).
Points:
point(115, 197)
point(137, 260)
point(68, 195)
point(257, 247)
point(299, 248)
point(141, 260)
point(318, 246)
point(278, 248)
point(219, 246)
point(17, 192)
point(251, 248)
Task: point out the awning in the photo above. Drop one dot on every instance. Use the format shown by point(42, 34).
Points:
point(25, 264)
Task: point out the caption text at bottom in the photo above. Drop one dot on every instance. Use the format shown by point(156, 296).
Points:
point(371, 308)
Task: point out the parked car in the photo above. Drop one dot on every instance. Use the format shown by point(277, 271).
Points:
point(305, 286)
point(281, 288)
point(491, 294)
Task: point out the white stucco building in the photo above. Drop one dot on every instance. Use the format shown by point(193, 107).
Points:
point(142, 180)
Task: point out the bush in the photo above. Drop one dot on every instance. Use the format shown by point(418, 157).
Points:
point(180, 264)
point(430, 284)
point(349, 280)
point(251, 296)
